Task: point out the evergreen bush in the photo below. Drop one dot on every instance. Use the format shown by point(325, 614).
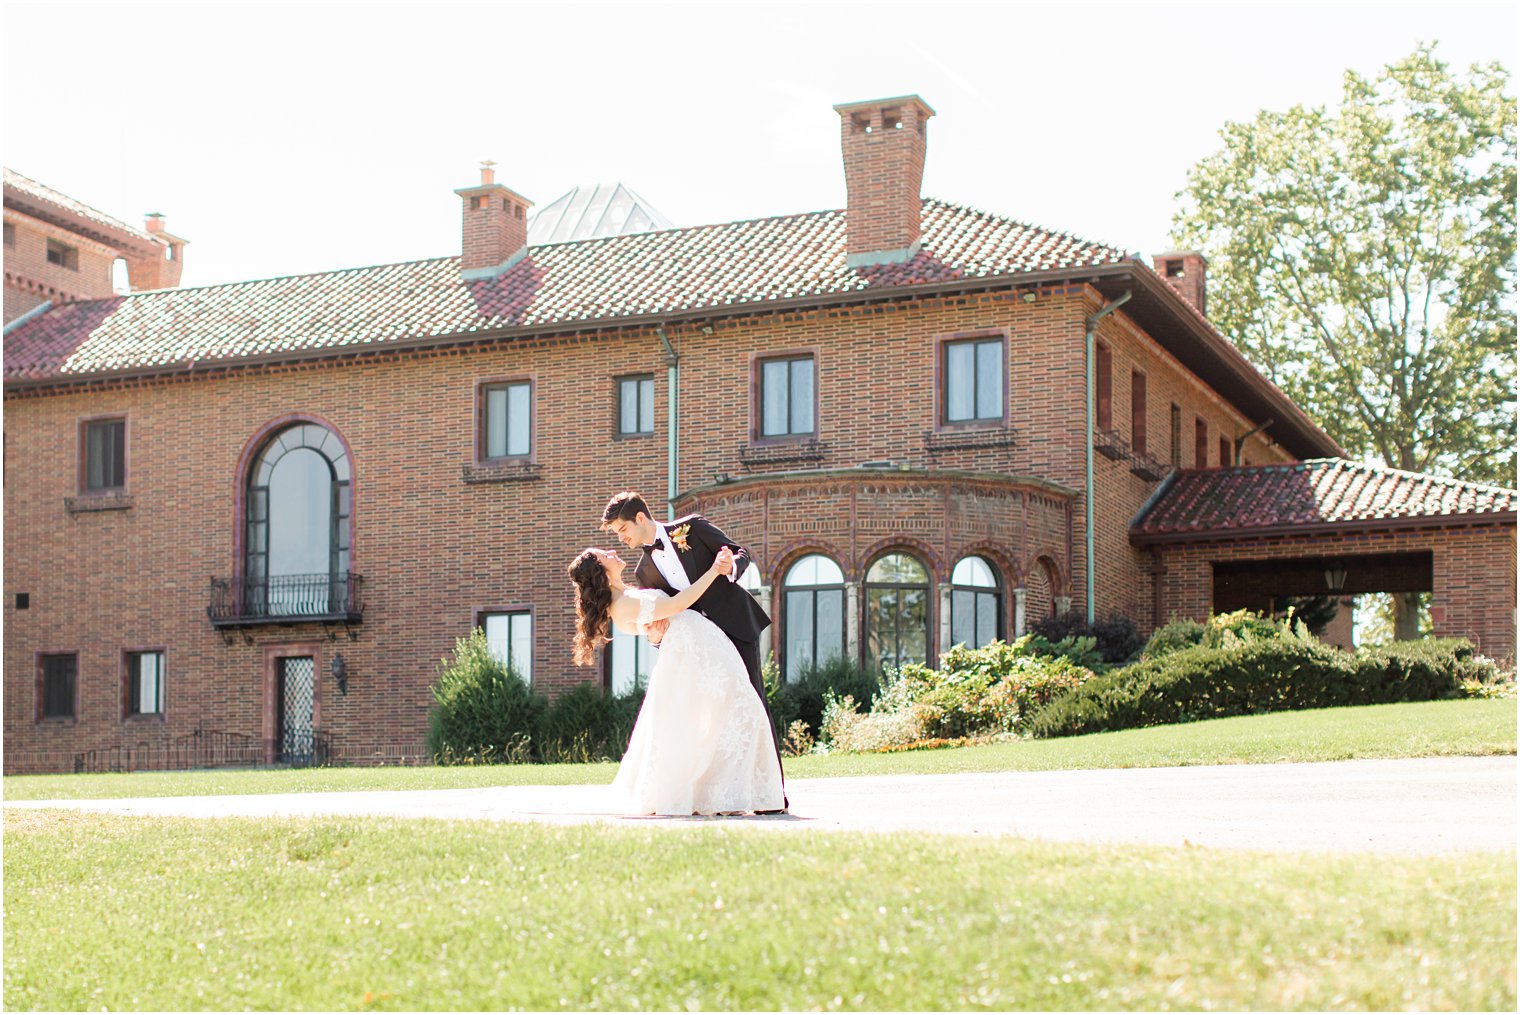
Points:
point(803, 701)
point(483, 711)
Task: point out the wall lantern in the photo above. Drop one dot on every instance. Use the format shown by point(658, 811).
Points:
point(340, 672)
point(1335, 576)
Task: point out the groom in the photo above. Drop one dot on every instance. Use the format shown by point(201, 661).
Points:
point(675, 554)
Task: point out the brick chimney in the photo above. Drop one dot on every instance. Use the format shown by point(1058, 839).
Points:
point(495, 226)
point(161, 270)
point(884, 141)
point(1186, 270)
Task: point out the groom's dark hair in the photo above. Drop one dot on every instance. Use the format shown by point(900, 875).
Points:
point(625, 506)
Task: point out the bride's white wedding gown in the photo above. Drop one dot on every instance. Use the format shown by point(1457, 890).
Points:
point(701, 744)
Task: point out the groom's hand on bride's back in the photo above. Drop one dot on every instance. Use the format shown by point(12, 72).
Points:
point(656, 631)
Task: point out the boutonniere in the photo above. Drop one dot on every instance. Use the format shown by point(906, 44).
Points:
point(678, 536)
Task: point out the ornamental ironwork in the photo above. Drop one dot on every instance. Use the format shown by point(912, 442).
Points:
point(287, 599)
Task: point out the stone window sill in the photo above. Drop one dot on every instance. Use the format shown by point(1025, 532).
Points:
point(98, 502)
point(811, 450)
point(501, 472)
point(982, 437)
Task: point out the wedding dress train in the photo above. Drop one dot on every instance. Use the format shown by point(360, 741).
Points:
point(701, 743)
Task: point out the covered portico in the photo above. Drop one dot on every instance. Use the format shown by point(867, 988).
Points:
point(1246, 537)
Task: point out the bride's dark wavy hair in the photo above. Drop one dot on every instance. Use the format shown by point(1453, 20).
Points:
point(593, 607)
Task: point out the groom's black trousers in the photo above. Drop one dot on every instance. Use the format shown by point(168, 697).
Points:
point(749, 651)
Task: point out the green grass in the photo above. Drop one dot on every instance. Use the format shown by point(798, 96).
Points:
point(136, 913)
point(1419, 729)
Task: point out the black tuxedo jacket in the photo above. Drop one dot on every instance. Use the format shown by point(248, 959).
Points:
point(726, 603)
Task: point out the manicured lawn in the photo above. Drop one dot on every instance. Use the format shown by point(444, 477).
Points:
point(1419, 729)
point(136, 913)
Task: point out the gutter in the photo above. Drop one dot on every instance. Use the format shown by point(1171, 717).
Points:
point(1091, 385)
point(1490, 519)
point(36, 311)
point(672, 426)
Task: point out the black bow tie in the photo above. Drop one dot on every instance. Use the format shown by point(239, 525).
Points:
point(651, 547)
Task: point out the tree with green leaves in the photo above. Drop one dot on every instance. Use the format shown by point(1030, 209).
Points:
point(1364, 259)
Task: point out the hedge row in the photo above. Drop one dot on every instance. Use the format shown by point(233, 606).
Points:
point(1244, 676)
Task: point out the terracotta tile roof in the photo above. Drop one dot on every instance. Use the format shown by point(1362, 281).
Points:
point(42, 192)
point(1223, 503)
point(719, 267)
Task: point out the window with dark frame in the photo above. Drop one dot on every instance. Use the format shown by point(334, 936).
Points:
point(976, 603)
point(62, 255)
point(787, 397)
point(635, 406)
point(1224, 451)
point(145, 683)
point(60, 674)
point(629, 659)
point(1104, 383)
point(812, 615)
point(510, 638)
point(973, 380)
point(1177, 435)
point(105, 455)
point(10, 234)
point(1200, 443)
point(506, 420)
point(1137, 412)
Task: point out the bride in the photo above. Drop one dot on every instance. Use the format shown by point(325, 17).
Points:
point(701, 744)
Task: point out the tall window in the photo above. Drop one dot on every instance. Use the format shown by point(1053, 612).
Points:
point(10, 234)
point(1177, 435)
point(510, 637)
point(105, 455)
point(786, 397)
point(630, 660)
point(1103, 381)
point(145, 683)
point(1137, 412)
point(296, 544)
point(635, 405)
point(897, 612)
point(59, 676)
point(1200, 443)
point(813, 614)
point(506, 420)
point(1224, 451)
point(973, 380)
point(976, 603)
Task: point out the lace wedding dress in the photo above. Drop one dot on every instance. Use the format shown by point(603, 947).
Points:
point(701, 744)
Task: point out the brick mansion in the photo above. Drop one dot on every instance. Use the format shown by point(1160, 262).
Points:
point(249, 519)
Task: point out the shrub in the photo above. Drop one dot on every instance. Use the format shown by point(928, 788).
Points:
point(803, 701)
point(585, 724)
point(1116, 640)
point(1253, 674)
point(482, 710)
point(1173, 637)
point(844, 728)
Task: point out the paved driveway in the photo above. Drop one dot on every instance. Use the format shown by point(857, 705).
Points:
point(1421, 805)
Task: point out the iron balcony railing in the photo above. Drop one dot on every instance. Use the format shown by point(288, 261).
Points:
point(286, 599)
point(209, 749)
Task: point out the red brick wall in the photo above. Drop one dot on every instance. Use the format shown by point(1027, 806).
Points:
point(30, 278)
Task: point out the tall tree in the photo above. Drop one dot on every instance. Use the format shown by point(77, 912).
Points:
point(1364, 258)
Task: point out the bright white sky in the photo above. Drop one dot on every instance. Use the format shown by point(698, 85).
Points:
point(285, 139)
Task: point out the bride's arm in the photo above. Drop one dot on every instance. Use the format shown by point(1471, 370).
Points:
point(681, 600)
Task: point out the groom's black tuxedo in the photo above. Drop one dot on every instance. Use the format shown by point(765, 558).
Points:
point(726, 603)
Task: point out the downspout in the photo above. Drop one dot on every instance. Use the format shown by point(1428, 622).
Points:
point(1240, 442)
point(1092, 411)
point(673, 444)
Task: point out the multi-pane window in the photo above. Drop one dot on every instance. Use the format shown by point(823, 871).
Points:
point(506, 419)
point(813, 615)
point(973, 372)
point(1137, 412)
point(145, 683)
point(1177, 435)
point(897, 612)
point(635, 405)
point(59, 675)
point(510, 638)
point(976, 603)
point(1103, 382)
point(105, 455)
point(296, 550)
point(786, 397)
point(62, 255)
point(1200, 443)
point(631, 659)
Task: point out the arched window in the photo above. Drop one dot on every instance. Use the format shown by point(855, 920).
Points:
point(296, 552)
point(813, 614)
point(976, 603)
point(750, 579)
point(897, 612)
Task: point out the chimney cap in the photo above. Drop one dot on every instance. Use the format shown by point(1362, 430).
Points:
point(901, 100)
point(1172, 255)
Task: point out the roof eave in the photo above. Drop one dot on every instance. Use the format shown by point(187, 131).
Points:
point(1464, 520)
